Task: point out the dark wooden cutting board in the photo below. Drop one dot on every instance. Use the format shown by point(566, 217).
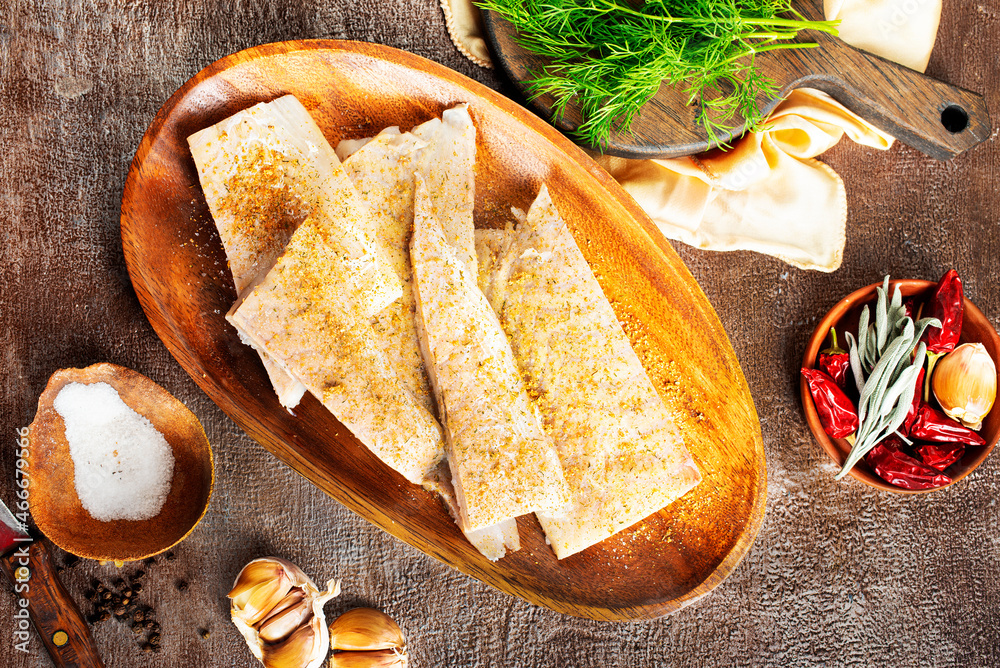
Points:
point(936, 118)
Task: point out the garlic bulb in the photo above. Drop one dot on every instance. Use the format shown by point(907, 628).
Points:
point(965, 384)
point(279, 611)
point(371, 640)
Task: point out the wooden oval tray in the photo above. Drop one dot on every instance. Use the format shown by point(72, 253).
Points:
point(179, 271)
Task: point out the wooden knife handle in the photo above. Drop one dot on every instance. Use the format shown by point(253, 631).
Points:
point(51, 609)
point(933, 117)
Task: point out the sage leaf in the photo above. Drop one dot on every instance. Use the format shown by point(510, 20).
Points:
point(855, 359)
point(885, 359)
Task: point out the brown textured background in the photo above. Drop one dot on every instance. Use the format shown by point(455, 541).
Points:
point(840, 574)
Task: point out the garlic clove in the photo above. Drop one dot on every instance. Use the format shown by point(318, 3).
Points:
point(254, 574)
point(283, 623)
point(293, 598)
point(379, 659)
point(320, 631)
point(365, 629)
point(262, 599)
point(297, 651)
point(965, 384)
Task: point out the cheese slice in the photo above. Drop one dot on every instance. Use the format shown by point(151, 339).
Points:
point(502, 463)
point(310, 316)
point(622, 455)
point(263, 171)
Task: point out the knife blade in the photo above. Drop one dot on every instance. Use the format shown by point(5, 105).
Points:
point(41, 597)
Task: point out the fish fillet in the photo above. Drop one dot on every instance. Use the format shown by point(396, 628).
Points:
point(448, 167)
point(382, 172)
point(309, 315)
point(622, 455)
point(263, 171)
point(503, 465)
point(493, 542)
point(382, 168)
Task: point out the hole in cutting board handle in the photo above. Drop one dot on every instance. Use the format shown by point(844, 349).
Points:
point(954, 118)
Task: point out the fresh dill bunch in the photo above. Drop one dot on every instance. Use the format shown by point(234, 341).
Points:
point(609, 57)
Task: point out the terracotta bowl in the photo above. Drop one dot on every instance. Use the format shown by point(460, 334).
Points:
point(976, 328)
point(53, 500)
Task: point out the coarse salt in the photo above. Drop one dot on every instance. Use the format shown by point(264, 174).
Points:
point(122, 465)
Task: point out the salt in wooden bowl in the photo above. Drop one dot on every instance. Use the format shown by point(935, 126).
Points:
point(55, 506)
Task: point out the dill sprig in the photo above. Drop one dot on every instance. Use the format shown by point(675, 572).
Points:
point(609, 57)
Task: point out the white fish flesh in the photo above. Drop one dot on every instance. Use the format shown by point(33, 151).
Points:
point(263, 171)
point(622, 455)
point(308, 315)
point(502, 463)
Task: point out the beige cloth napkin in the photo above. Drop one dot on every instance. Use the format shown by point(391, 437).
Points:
point(767, 193)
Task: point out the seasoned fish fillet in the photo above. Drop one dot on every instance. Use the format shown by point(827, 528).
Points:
point(382, 171)
point(503, 465)
point(622, 455)
point(493, 542)
point(309, 315)
point(448, 167)
point(263, 171)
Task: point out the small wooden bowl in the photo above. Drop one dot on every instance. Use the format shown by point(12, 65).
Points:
point(54, 504)
point(976, 328)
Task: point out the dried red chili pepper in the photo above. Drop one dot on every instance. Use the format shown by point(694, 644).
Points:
point(836, 412)
point(911, 415)
point(946, 305)
point(901, 470)
point(835, 361)
point(933, 425)
point(940, 456)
